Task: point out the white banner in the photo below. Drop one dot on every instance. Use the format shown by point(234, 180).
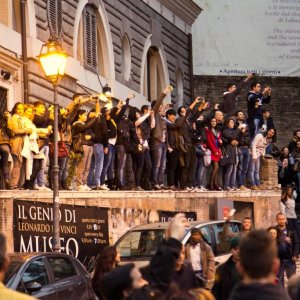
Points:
point(236, 37)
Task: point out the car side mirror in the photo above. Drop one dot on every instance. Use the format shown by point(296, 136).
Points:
point(32, 287)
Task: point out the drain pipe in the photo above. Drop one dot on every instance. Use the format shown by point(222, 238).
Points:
point(191, 67)
point(24, 50)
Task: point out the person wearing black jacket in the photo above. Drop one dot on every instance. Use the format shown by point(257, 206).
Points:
point(244, 141)
point(230, 97)
point(100, 148)
point(255, 100)
point(289, 243)
point(188, 150)
point(227, 276)
point(80, 131)
point(173, 127)
point(230, 143)
point(258, 267)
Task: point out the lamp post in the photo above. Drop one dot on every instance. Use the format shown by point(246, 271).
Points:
point(53, 60)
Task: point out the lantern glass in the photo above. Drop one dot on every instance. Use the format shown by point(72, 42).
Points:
point(53, 60)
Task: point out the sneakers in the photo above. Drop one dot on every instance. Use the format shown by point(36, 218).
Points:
point(87, 188)
point(243, 188)
point(157, 187)
point(81, 188)
point(254, 188)
point(104, 187)
point(41, 188)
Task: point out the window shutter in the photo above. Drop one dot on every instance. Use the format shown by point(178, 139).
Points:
point(3, 100)
point(54, 12)
point(90, 38)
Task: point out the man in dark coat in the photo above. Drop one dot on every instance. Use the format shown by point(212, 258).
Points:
point(227, 276)
point(230, 97)
point(258, 266)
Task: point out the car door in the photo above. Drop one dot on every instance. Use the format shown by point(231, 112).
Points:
point(36, 273)
point(67, 282)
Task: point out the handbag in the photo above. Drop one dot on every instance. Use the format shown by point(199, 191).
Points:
point(62, 149)
point(207, 157)
point(225, 160)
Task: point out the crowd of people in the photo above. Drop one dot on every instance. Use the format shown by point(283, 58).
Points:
point(255, 269)
point(153, 147)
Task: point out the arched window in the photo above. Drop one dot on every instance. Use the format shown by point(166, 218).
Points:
point(154, 81)
point(91, 44)
point(179, 88)
point(126, 57)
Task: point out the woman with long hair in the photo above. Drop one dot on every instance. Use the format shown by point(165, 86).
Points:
point(214, 143)
point(16, 124)
point(106, 261)
point(287, 207)
point(230, 141)
point(259, 145)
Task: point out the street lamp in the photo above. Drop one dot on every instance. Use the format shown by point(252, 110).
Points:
point(53, 60)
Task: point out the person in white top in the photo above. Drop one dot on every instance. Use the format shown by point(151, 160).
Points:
point(258, 150)
point(287, 207)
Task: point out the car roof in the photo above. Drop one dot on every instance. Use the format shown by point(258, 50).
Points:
point(24, 256)
point(164, 225)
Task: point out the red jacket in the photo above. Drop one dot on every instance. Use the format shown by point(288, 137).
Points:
point(212, 144)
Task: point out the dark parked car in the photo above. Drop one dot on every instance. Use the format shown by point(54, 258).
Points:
point(49, 276)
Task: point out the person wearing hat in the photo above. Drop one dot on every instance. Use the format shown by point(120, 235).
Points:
point(202, 258)
point(227, 276)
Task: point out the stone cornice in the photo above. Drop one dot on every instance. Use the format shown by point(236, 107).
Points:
point(187, 10)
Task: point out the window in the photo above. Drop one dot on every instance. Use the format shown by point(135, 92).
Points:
point(62, 267)
point(3, 100)
point(222, 242)
point(179, 88)
point(90, 34)
point(34, 273)
point(153, 75)
point(126, 57)
point(205, 230)
point(141, 243)
point(54, 11)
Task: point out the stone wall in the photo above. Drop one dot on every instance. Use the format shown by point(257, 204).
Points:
point(265, 204)
point(285, 104)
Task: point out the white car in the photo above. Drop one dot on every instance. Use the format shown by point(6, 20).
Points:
point(140, 243)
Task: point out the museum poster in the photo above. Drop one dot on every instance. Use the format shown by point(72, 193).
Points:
point(83, 230)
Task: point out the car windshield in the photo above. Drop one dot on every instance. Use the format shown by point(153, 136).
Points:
point(140, 243)
point(12, 272)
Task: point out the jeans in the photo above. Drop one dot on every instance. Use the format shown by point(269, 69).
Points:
point(121, 161)
point(159, 151)
point(96, 165)
point(63, 166)
point(256, 126)
point(244, 157)
point(129, 175)
point(40, 175)
point(200, 167)
point(4, 153)
point(254, 166)
point(227, 176)
point(289, 267)
point(109, 159)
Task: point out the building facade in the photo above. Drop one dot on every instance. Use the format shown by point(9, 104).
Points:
point(133, 46)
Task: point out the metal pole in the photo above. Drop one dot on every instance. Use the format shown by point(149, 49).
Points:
point(56, 233)
point(24, 51)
